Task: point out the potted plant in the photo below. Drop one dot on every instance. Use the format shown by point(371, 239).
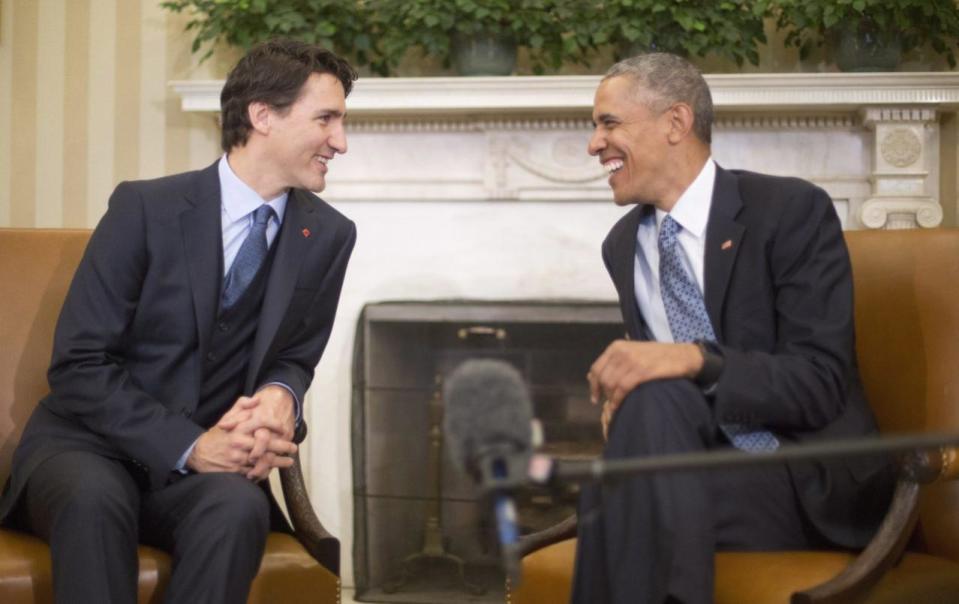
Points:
point(869, 35)
point(340, 25)
point(731, 29)
point(480, 37)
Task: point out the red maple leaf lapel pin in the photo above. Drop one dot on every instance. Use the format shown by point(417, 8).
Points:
point(306, 233)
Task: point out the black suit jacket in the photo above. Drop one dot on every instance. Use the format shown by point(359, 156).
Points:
point(778, 290)
point(128, 349)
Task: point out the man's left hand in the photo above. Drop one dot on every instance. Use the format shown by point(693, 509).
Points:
point(267, 414)
point(625, 364)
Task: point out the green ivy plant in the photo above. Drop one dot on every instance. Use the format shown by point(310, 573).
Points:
point(731, 29)
point(808, 23)
point(378, 33)
point(341, 25)
point(544, 27)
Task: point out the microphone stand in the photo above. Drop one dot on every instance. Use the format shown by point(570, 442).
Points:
point(545, 470)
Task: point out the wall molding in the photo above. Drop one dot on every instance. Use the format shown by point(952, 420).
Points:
point(542, 96)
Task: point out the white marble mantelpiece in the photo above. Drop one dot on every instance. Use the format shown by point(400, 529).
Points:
point(524, 138)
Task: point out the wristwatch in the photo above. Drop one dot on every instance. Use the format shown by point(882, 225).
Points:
point(713, 363)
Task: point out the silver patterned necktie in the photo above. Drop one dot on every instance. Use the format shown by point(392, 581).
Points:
point(248, 259)
point(688, 321)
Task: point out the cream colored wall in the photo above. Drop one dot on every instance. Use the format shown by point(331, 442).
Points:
point(84, 104)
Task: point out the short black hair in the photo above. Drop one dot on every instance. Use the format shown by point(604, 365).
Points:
point(273, 73)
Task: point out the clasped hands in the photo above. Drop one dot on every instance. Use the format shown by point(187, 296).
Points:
point(625, 364)
point(252, 438)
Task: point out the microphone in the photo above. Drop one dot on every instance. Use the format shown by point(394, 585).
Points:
point(488, 427)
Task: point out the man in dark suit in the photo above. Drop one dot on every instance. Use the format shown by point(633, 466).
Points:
point(736, 293)
point(186, 344)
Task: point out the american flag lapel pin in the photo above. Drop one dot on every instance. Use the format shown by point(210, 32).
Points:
point(727, 245)
point(306, 233)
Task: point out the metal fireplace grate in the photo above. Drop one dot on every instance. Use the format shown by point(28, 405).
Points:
point(422, 532)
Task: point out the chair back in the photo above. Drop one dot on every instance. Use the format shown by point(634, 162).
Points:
point(907, 340)
point(36, 267)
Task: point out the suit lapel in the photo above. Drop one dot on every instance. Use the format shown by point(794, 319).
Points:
point(200, 226)
point(623, 267)
point(299, 233)
point(723, 237)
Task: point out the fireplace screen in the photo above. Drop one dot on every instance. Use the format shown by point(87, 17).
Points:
point(422, 531)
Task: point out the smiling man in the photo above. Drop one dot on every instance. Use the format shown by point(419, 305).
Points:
point(186, 345)
point(736, 293)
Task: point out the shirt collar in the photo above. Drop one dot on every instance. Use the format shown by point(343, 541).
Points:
point(239, 199)
point(692, 208)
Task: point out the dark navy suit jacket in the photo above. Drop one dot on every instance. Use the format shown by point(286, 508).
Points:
point(128, 350)
point(778, 290)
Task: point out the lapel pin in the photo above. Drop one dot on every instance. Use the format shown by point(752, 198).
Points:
point(727, 245)
point(306, 232)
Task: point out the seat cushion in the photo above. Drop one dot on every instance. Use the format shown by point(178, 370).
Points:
point(760, 577)
point(286, 574)
point(289, 574)
point(773, 576)
point(768, 577)
point(25, 570)
point(547, 575)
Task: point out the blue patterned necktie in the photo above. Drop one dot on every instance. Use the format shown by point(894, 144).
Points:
point(688, 321)
point(248, 259)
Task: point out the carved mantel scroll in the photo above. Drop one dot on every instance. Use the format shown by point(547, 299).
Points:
point(871, 140)
point(905, 155)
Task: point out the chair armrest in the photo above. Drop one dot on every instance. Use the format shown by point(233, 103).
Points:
point(887, 545)
point(561, 531)
point(882, 552)
point(306, 526)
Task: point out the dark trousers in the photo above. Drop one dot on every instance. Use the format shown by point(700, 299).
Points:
point(651, 539)
point(92, 513)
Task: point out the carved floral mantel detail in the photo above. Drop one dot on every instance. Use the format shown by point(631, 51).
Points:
point(901, 175)
point(871, 140)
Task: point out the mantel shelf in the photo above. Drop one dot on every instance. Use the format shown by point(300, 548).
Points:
point(565, 95)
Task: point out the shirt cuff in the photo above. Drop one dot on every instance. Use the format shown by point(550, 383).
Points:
point(297, 408)
point(181, 463)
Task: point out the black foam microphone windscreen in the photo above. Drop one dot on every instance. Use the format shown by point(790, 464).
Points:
point(488, 411)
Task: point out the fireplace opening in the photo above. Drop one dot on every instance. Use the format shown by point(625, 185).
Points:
point(422, 532)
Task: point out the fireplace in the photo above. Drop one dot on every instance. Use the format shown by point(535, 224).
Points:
point(422, 533)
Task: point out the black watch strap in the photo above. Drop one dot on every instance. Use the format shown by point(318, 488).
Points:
point(713, 364)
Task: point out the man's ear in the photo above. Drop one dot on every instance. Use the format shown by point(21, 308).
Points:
point(680, 120)
point(260, 115)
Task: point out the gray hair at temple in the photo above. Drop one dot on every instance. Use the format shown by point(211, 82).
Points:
point(666, 79)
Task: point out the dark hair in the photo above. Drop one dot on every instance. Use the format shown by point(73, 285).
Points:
point(668, 79)
point(273, 73)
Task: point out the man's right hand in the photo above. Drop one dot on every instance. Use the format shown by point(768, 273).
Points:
point(219, 450)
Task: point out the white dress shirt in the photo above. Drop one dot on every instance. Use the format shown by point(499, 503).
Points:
point(692, 213)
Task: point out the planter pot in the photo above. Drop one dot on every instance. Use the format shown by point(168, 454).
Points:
point(483, 54)
point(861, 47)
point(633, 49)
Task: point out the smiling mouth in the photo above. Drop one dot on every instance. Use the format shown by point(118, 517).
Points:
point(613, 165)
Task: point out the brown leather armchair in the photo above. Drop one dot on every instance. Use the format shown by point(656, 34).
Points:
point(36, 267)
point(907, 326)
